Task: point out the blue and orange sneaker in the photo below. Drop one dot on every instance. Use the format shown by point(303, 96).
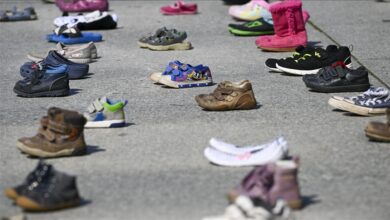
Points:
point(105, 113)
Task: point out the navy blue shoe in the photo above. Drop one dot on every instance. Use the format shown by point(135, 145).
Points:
point(54, 59)
point(27, 69)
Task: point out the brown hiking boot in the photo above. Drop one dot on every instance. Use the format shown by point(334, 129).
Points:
point(229, 96)
point(60, 134)
point(379, 131)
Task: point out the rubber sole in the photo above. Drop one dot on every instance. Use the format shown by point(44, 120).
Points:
point(356, 109)
point(11, 193)
point(105, 124)
point(282, 49)
point(178, 46)
point(200, 83)
point(377, 137)
point(249, 33)
point(53, 93)
point(44, 154)
point(30, 205)
point(302, 72)
point(350, 88)
point(155, 77)
point(142, 45)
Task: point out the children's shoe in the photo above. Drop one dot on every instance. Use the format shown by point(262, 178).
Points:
point(105, 113)
point(18, 15)
point(197, 76)
point(171, 67)
point(180, 8)
point(73, 35)
point(82, 5)
point(172, 40)
point(252, 28)
point(379, 131)
point(229, 96)
point(299, 52)
point(375, 101)
point(311, 62)
point(250, 11)
point(289, 26)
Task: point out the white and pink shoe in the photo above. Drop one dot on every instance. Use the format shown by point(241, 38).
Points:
point(250, 11)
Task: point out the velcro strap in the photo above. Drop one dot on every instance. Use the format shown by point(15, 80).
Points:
point(49, 135)
point(340, 71)
point(58, 128)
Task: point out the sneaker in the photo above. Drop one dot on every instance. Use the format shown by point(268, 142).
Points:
point(271, 153)
point(83, 53)
point(252, 28)
point(61, 136)
point(105, 113)
point(41, 84)
point(96, 20)
point(250, 11)
point(379, 131)
point(299, 52)
point(51, 191)
point(44, 68)
point(338, 78)
point(311, 63)
point(197, 76)
point(175, 67)
point(375, 101)
point(229, 96)
point(236, 150)
point(36, 175)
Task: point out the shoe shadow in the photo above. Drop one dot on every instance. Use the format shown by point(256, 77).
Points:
point(313, 43)
point(74, 91)
point(350, 114)
point(309, 200)
point(289, 74)
point(86, 76)
point(338, 110)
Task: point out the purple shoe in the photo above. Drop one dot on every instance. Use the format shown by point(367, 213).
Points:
point(82, 5)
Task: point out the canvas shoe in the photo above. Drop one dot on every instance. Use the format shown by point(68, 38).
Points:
point(105, 113)
point(271, 153)
point(236, 150)
point(251, 11)
point(374, 101)
point(338, 78)
point(379, 131)
point(311, 63)
point(197, 76)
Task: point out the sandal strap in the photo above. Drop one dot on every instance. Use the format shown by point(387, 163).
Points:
point(69, 31)
point(96, 106)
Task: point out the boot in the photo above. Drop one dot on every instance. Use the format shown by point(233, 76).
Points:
point(285, 184)
point(60, 135)
point(289, 28)
point(379, 131)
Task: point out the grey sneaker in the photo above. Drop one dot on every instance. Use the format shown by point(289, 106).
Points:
point(83, 53)
point(105, 113)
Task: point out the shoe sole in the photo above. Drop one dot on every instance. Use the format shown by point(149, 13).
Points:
point(155, 77)
point(249, 33)
point(178, 46)
point(30, 205)
point(302, 72)
point(54, 93)
point(143, 45)
point(350, 88)
point(44, 154)
point(359, 110)
point(11, 193)
point(376, 137)
point(105, 124)
point(282, 49)
point(177, 85)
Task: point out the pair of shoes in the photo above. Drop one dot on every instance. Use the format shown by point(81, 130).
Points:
point(105, 113)
point(45, 189)
point(17, 15)
point(96, 20)
point(180, 75)
point(374, 101)
point(229, 96)
point(165, 39)
point(72, 35)
point(60, 134)
point(289, 27)
point(272, 182)
point(83, 53)
point(379, 131)
point(55, 60)
point(180, 8)
point(225, 154)
point(338, 78)
point(251, 11)
point(309, 60)
point(82, 5)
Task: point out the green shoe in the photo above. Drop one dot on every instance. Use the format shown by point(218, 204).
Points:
point(252, 28)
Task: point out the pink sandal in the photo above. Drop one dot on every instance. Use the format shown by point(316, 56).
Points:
point(179, 8)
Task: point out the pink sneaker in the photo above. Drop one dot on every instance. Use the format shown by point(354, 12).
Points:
point(250, 11)
point(179, 8)
point(289, 28)
point(82, 5)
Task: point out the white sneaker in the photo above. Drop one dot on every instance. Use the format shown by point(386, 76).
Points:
point(71, 21)
point(235, 150)
point(271, 153)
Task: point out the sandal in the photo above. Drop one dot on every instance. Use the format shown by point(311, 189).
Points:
point(15, 15)
point(173, 40)
point(180, 8)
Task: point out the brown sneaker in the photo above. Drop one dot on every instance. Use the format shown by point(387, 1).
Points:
point(229, 96)
point(60, 134)
point(379, 131)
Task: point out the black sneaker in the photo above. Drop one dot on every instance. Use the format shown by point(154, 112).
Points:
point(55, 191)
point(40, 171)
point(299, 52)
point(311, 63)
point(338, 78)
point(43, 85)
point(103, 23)
point(252, 28)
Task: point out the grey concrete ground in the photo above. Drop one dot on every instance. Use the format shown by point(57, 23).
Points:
point(154, 168)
